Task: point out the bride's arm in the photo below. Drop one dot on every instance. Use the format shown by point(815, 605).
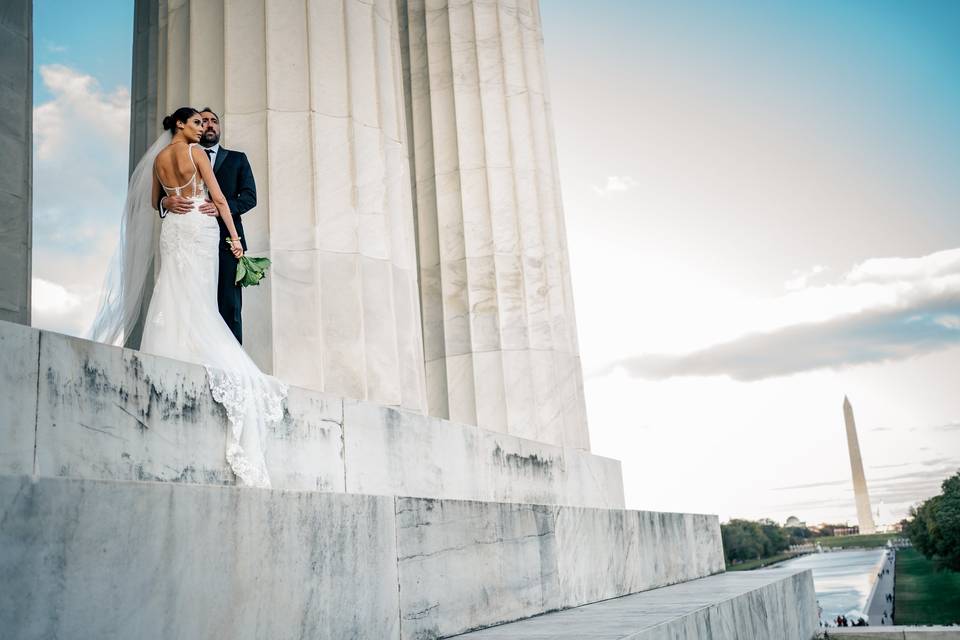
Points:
point(216, 195)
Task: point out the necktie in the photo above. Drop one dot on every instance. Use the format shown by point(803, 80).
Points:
point(209, 153)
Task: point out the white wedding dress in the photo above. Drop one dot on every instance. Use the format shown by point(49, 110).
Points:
point(183, 323)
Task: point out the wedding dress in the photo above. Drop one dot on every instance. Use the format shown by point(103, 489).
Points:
point(184, 323)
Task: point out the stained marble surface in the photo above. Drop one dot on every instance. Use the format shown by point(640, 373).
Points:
point(730, 606)
point(19, 371)
point(90, 559)
point(169, 559)
point(110, 413)
point(467, 565)
point(87, 410)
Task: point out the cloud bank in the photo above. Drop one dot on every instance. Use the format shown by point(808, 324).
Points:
point(80, 181)
point(883, 309)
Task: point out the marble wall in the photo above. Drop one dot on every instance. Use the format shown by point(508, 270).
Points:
point(468, 565)
point(499, 332)
point(75, 408)
point(123, 559)
point(87, 559)
point(312, 93)
point(16, 153)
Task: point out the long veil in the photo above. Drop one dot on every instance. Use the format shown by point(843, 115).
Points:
point(125, 285)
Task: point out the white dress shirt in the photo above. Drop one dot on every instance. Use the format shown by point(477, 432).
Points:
point(213, 156)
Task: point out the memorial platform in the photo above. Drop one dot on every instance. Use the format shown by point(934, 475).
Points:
point(119, 518)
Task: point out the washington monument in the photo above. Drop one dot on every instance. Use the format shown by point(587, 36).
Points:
point(864, 515)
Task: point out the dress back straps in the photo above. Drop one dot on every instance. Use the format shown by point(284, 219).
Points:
point(191, 181)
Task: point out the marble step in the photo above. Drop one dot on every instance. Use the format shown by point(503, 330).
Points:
point(127, 559)
point(894, 633)
point(775, 604)
point(74, 408)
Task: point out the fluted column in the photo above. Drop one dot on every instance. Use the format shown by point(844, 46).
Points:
point(312, 92)
point(499, 332)
point(16, 149)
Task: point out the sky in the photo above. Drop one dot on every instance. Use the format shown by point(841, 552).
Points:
point(763, 209)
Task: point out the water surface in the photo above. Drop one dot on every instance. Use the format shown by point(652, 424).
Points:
point(842, 580)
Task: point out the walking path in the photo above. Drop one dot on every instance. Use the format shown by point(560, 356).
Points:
point(879, 608)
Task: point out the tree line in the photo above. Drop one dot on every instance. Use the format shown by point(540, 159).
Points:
point(754, 539)
point(934, 526)
point(933, 529)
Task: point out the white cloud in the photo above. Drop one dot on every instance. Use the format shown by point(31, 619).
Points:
point(53, 47)
point(80, 111)
point(883, 309)
point(52, 298)
point(801, 279)
point(80, 181)
point(615, 184)
point(57, 308)
point(948, 321)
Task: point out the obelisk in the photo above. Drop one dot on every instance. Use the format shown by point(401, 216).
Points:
point(864, 515)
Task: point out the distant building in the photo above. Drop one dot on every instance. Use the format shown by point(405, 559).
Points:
point(846, 531)
point(794, 521)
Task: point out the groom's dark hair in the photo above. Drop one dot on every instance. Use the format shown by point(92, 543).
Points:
point(209, 110)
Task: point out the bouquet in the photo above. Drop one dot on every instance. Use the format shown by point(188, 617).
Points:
point(250, 271)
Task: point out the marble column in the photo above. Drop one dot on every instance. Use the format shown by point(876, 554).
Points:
point(16, 157)
point(500, 338)
point(312, 92)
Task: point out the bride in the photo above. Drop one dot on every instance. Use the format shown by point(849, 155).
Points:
point(182, 320)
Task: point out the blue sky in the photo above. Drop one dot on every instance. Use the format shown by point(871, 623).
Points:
point(95, 37)
point(763, 211)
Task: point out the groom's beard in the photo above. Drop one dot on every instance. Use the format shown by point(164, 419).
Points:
point(210, 138)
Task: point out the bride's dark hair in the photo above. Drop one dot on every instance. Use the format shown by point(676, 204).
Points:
point(180, 115)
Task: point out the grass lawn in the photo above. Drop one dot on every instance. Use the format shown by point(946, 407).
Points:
point(760, 562)
point(866, 541)
point(923, 594)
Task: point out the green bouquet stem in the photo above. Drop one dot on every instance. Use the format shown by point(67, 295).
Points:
point(250, 271)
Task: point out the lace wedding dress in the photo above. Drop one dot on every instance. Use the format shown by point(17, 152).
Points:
point(183, 322)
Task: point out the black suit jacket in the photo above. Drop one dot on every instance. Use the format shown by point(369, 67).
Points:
point(235, 178)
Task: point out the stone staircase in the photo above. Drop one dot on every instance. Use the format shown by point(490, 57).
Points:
point(119, 519)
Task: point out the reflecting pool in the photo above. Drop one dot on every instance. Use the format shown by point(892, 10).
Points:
point(842, 580)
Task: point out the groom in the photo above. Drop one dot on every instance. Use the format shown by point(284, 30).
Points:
point(236, 181)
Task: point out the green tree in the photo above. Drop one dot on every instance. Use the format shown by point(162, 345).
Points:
point(742, 540)
point(798, 535)
point(748, 540)
point(775, 538)
point(934, 527)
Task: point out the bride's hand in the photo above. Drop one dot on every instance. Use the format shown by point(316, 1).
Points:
point(236, 248)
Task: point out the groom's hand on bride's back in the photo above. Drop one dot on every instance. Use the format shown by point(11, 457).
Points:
point(209, 208)
point(176, 204)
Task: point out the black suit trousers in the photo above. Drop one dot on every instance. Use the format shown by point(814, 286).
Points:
point(229, 294)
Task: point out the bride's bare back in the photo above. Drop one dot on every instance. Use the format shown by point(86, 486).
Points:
point(177, 171)
point(183, 169)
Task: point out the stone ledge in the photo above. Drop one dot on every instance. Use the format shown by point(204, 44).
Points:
point(74, 408)
point(771, 604)
point(110, 559)
point(895, 633)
